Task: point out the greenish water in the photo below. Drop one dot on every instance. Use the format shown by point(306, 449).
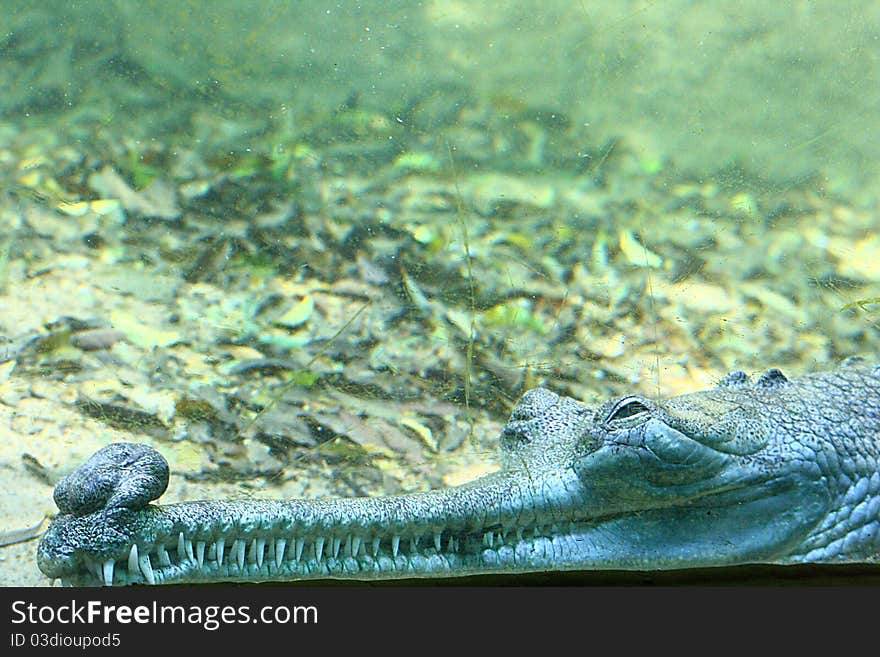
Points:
point(782, 89)
point(322, 248)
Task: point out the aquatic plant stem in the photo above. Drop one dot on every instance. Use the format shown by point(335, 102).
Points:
point(469, 356)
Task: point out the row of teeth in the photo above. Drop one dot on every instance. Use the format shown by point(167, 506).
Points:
point(254, 551)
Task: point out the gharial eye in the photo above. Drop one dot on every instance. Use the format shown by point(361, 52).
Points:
point(626, 408)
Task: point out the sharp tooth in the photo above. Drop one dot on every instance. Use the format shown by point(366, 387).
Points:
point(108, 572)
point(519, 533)
point(336, 542)
point(280, 544)
point(319, 548)
point(200, 553)
point(133, 559)
point(181, 547)
point(437, 544)
point(261, 551)
point(375, 546)
point(221, 543)
point(450, 547)
point(395, 545)
point(238, 552)
point(300, 544)
point(164, 559)
point(487, 539)
point(355, 545)
point(189, 550)
point(146, 569)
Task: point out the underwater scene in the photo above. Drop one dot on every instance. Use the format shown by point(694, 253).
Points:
point(311, 250)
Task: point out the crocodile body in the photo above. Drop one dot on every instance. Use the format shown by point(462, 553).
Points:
point(764, 470)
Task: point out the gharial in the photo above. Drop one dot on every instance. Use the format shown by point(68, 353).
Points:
point(765, 470)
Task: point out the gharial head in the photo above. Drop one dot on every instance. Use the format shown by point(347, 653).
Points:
point(730, 475)
point(729, 447)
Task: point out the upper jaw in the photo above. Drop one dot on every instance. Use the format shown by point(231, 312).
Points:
point(414, 535)
point(176, 544)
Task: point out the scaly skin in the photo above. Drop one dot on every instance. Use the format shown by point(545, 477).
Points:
point(765, 471)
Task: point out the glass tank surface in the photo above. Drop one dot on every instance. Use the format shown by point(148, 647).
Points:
point(309, 250)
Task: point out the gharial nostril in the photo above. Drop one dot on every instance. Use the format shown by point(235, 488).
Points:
point(119, 475)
